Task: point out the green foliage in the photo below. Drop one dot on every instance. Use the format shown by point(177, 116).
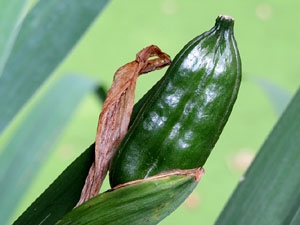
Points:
point(48, 33)
point(296, 218)
point(269, 192)
point(32, 141)
point(145, 203)
point(31, 49)
point(10, 14)
point(61, 196)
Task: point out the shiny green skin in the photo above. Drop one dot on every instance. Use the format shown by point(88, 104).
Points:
point(178, 122)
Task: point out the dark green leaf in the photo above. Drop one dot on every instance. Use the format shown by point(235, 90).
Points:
point(296, 218)
point(144, 203)
point(269, 193)
point(61, 196)
point(31, 143)
point(10, 14)
point(46, 36)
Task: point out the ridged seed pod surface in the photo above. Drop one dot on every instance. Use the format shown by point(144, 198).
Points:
point(182, 117)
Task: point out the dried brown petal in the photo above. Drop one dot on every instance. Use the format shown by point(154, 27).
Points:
point(115, 115)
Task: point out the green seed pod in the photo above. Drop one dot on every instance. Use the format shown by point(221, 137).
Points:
point(181, 118)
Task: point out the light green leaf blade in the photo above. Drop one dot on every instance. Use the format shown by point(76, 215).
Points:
point(48, 33)
point(10, 15)
point(269, 193)
point(32, 141)
point(144, 203)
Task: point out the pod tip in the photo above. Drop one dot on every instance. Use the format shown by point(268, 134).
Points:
point(226, 17)
point(225, 21)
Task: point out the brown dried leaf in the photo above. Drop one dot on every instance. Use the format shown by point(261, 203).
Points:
point(115, 115)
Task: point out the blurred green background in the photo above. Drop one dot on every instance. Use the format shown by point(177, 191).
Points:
point(268, 39)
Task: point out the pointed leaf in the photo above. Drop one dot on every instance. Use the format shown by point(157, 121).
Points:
point(145, 202)
point(32, 141)
point(47, 34)
point(296, 218)
point(269, 193)
point(10, 15)
point(61, 196)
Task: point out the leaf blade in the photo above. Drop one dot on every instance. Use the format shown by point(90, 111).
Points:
point(31, 143)
point(74, 171)
point(62, 195)
point(270, 191)
point(10, 15)
point(47, 34)
point(296, 218)
point(147, 202)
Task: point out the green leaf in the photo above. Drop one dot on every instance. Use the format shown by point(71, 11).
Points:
point(48, 33)
point(144, 203)
point(31, 143)
point(269, 193)
point(61, 196)
point(10, 15)
point(277, 95)
point(296, 218)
